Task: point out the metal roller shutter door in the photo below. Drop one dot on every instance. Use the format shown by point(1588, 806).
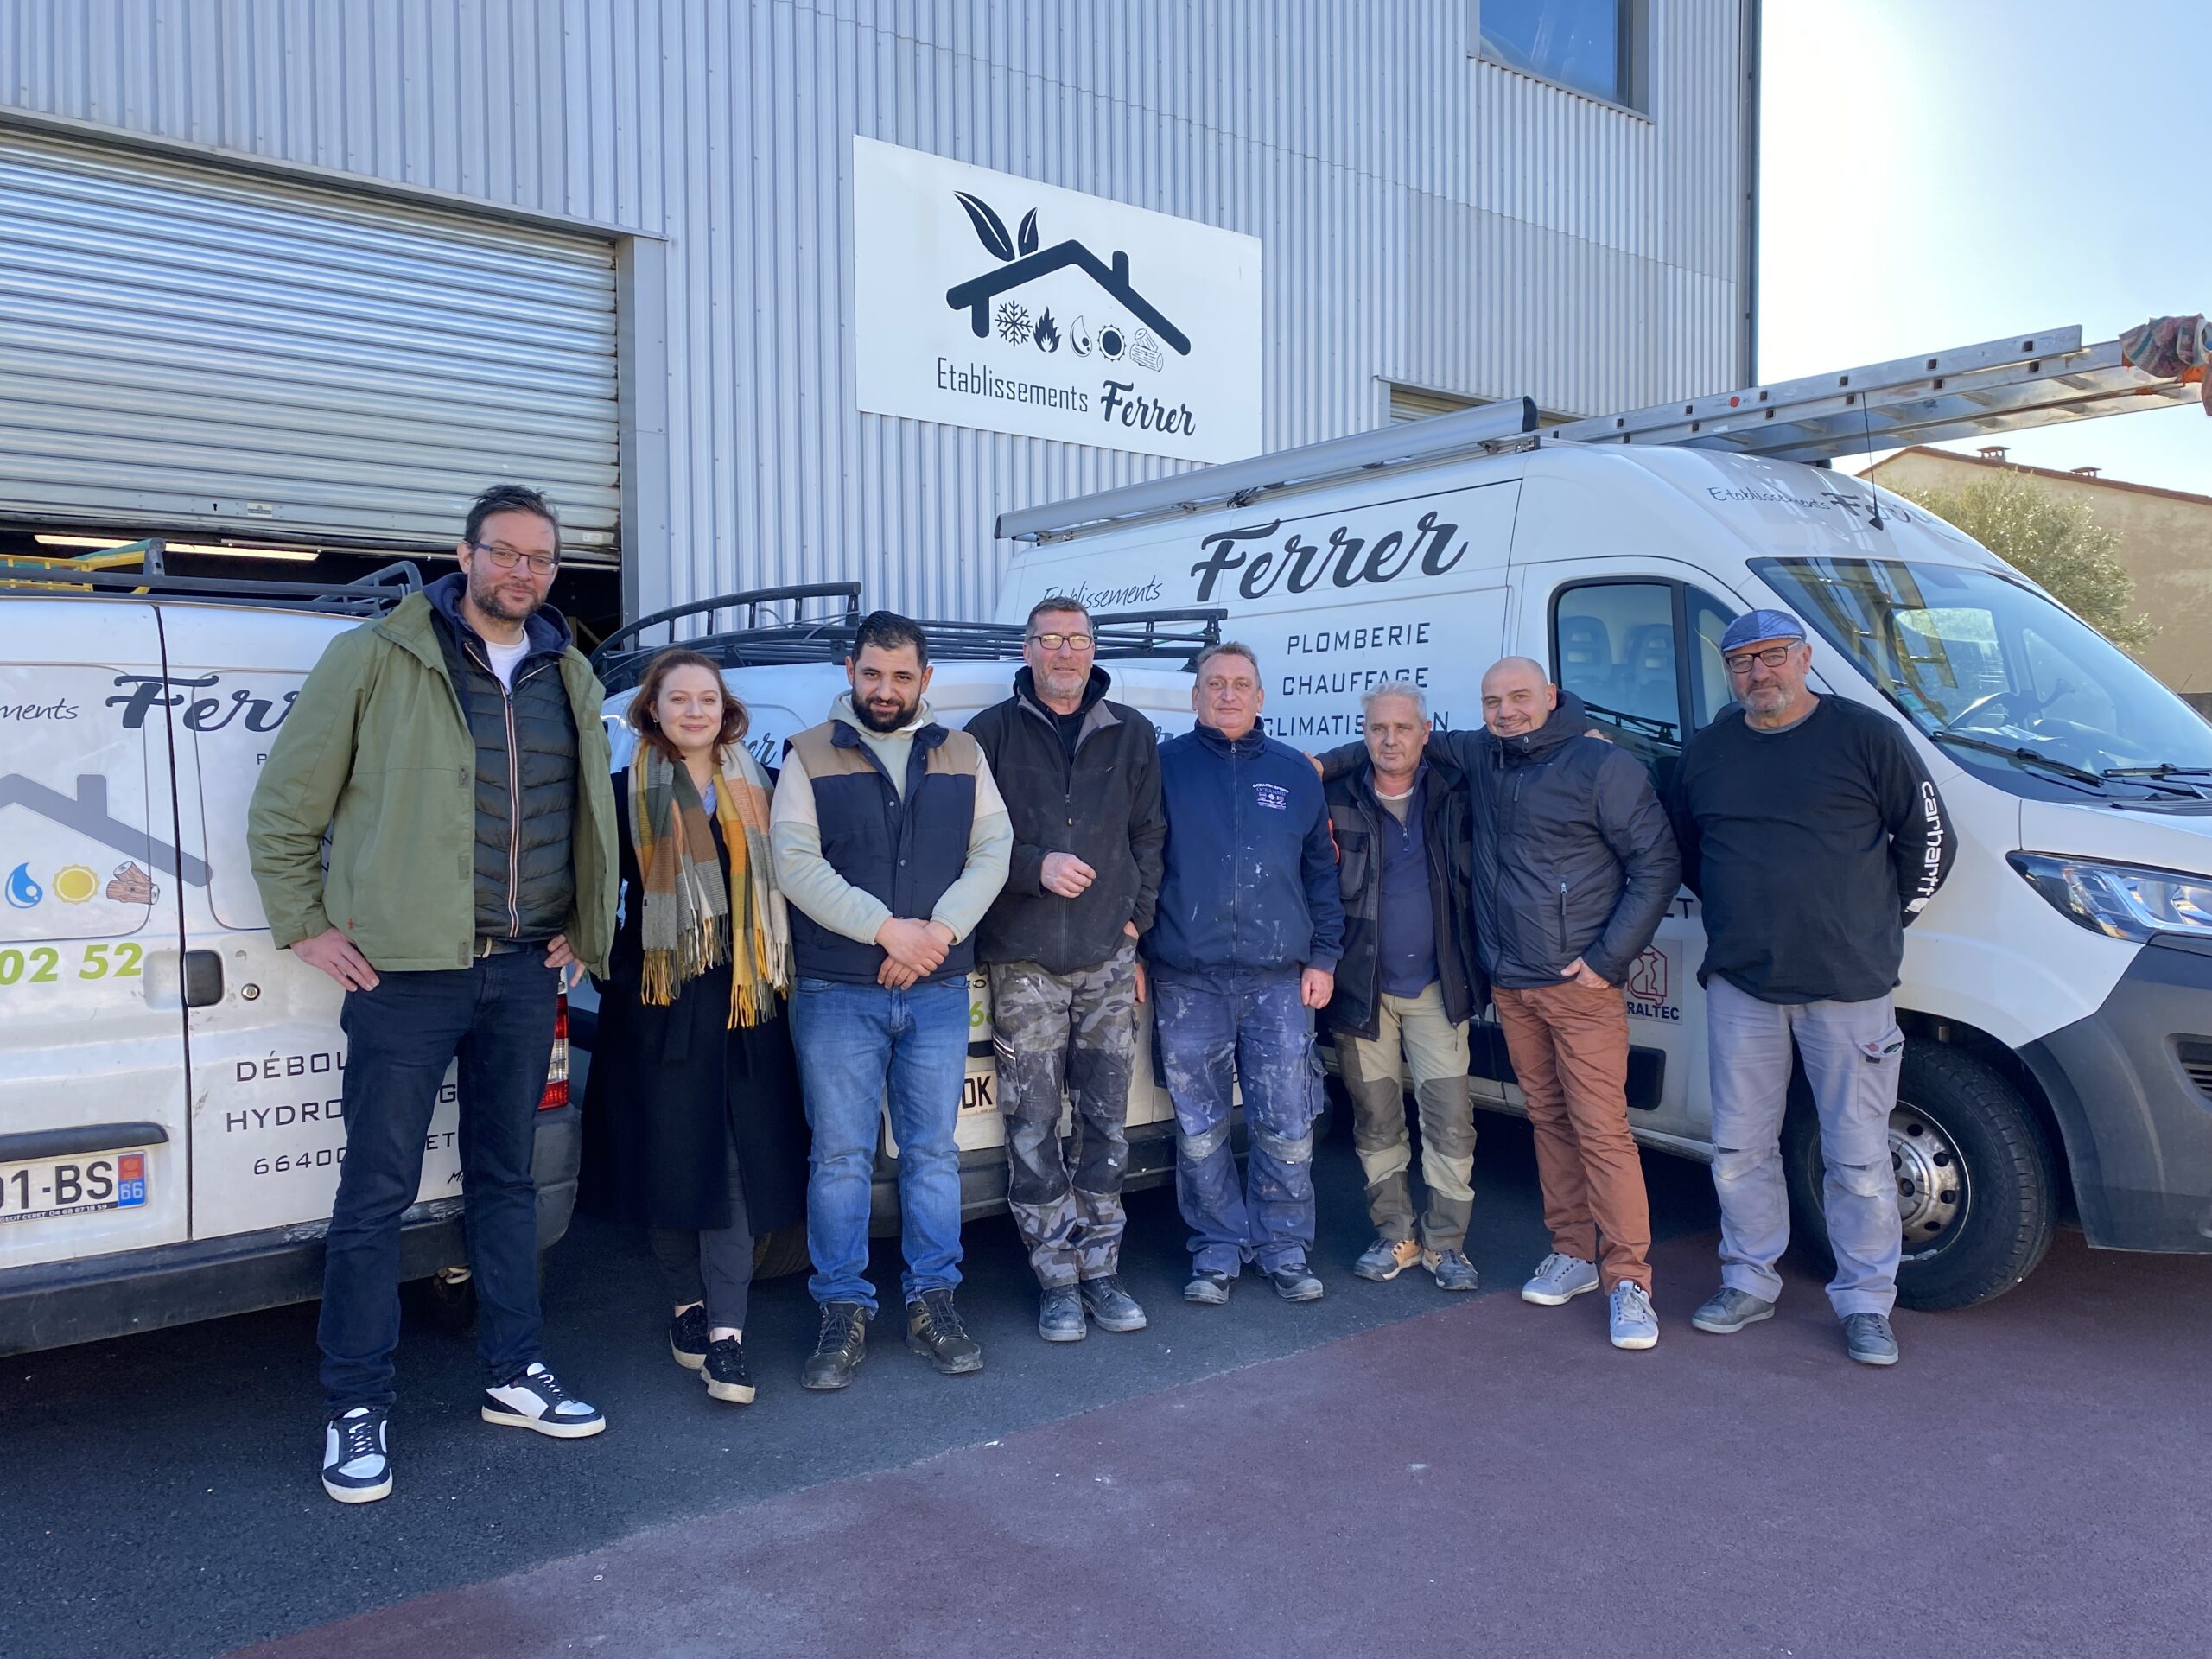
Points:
point(188, 346)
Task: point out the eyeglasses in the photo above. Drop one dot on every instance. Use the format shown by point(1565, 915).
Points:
point(1773, 657)
point(505, 558)
point(1054, 641)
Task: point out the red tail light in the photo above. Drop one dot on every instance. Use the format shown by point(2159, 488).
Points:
point(557, 1073)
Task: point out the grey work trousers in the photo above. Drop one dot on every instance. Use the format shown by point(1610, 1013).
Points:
point(1435, 1050)
point(1853, 1052)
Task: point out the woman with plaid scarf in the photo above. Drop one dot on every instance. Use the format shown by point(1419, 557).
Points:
point(692, 1120)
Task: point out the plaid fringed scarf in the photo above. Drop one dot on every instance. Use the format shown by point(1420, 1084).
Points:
point(688, 922)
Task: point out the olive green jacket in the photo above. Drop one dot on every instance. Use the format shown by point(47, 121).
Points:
point(377, 753)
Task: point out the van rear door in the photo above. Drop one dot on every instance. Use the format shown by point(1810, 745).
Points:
point(268, 1057)
point(95, 1141)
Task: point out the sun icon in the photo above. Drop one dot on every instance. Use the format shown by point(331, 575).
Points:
point(74, 883)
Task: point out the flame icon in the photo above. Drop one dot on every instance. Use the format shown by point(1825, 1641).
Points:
point(1048, 335)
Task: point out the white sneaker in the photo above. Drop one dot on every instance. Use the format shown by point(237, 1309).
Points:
point(356, 1465)
point(1634, 1324)
point(1560, 1279)
point(536, 1400)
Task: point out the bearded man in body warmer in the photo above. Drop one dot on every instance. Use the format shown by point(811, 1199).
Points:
point(890, 843)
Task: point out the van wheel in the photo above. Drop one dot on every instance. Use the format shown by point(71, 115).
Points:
point(780, 1253)
point(1975, 1186)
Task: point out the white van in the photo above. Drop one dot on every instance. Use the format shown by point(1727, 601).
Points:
point(2056, 996)
point(786, 663)
point(170, 1124)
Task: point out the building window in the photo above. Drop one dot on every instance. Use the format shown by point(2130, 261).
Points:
point(1589, 46)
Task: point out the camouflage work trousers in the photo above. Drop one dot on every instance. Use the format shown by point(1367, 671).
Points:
point(1072, 1035)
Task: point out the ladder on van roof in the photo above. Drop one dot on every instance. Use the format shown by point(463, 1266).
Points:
point(1998, 385)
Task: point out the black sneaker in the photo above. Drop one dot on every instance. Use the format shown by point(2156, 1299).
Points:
point(356, 1468)
point(687, 1336)
point(934, 1331)
point(839, 1349)
point(1111, 1309)
point(1207, 1289)
point(534, 1399)
point(1296, 1284)
point(724, 1371)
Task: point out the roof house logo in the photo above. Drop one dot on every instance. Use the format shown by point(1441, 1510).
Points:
point(86, 813)
point(993, 303)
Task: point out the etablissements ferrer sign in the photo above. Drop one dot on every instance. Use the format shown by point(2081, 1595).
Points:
point(988, 300)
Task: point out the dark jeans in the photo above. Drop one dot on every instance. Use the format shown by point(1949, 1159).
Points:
point(712, 1265)
point(496, 1017)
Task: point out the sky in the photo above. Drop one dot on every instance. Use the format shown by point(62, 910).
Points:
point(1937, 173)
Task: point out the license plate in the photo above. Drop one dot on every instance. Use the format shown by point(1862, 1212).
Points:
point(66, 1187)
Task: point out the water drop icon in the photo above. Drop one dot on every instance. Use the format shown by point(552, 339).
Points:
point(22, 892)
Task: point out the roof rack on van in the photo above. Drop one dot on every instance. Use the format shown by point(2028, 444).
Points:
point(1999, 385)
point(776, 631)
point(367, 595)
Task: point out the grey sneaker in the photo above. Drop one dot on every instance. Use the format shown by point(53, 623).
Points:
point(1206, 1288)
point(1385, 1259)
point(1868, 1339)
point(1560, 1279)
point(1633, 1323)
point(1296, 1284)
point(1059, 1314)
point(1110, 1307)
point(1451, 1269)
point(1730, 1310)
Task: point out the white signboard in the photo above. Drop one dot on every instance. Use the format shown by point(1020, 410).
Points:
point(988, 300)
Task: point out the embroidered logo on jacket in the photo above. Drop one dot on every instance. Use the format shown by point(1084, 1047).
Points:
point(1274, 796)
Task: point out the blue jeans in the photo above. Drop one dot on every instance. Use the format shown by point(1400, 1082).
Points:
point(1259, 1035)
point(854, 1042)
point(496, 1017)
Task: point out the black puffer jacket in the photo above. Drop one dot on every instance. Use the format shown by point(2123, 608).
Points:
point(1355, 819)
point(1103, 806)
point(1573, 854)
point(525, 740)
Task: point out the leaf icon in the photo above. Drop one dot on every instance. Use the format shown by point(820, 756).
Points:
point(1029, 232)
point(989, 227)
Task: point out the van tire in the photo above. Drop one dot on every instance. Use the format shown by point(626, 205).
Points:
point(1965, 1244)
point(781, 1253)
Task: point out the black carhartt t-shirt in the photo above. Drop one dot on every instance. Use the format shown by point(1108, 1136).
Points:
point(1071, 726)
point(1812, 848)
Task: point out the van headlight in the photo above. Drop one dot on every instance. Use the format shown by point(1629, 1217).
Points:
point(2122, 902)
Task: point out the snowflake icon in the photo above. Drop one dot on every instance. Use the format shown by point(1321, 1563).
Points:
point(1013, 322)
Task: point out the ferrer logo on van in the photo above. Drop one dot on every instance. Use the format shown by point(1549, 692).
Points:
point(985, 300)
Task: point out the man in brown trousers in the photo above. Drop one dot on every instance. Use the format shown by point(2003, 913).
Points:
point(1574, 867)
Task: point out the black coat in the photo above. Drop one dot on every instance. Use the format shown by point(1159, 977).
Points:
point(1355, 817)
point(1103, 806)
point(664, 1082)
point(1573, 854)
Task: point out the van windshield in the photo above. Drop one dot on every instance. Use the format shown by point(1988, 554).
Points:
point(2016, 689)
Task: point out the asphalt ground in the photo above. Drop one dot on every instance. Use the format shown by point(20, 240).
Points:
point(1388, 1460)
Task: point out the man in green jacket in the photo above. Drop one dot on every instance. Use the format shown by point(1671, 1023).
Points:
point(452, 755)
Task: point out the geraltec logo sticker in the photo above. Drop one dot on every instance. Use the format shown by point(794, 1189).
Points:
point(985, 300)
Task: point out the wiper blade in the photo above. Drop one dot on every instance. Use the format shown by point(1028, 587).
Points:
point(2016, 751)
point(1657, 727)
point(2163, 769)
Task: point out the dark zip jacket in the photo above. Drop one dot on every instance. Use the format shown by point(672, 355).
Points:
point(1361, 822)
point(1249, 883)
point(1573, 856)
point(525, 795)
point(1101, 803)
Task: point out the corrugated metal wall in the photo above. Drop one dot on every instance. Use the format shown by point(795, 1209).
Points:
point(1427, 217)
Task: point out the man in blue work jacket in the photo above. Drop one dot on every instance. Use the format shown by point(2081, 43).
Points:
point(1243, 948)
